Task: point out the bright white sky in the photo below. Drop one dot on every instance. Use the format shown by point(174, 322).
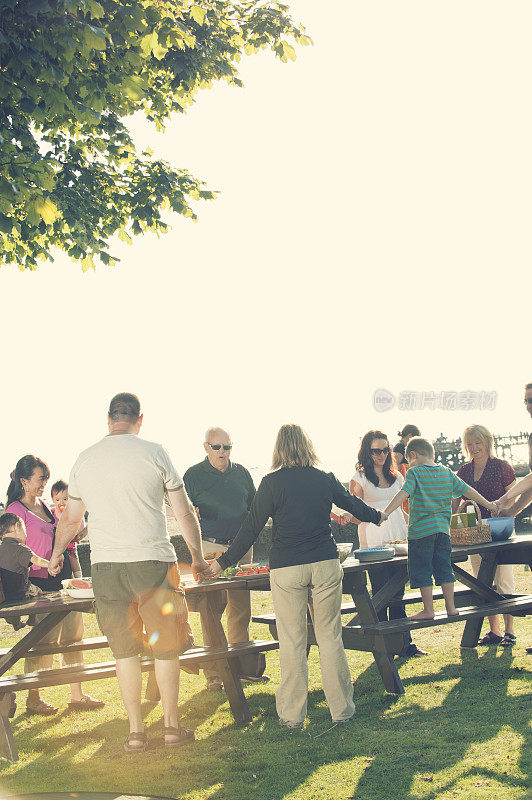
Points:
point(373, 231)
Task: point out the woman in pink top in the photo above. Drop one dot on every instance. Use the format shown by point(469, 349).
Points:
point(24, 493)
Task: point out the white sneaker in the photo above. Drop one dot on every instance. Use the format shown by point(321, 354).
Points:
point(343, 721)
point(293, 725)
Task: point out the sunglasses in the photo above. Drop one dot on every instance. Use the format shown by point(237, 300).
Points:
point(218, 446)
point(528, 401)
point(380, 451)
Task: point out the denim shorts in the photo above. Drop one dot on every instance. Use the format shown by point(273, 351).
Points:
point(428, 556)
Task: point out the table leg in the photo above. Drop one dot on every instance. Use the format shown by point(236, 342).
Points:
point(228, 668)
point(7, 743)
point(485, 576)
point(367, 614)
point(20, 649)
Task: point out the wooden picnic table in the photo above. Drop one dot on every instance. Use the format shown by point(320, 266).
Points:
point(364, 631)
point(54, 606)
point(479, 600)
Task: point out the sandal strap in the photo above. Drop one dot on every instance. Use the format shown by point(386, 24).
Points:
point(137, 737)
point(491, 638)
point(173, 731)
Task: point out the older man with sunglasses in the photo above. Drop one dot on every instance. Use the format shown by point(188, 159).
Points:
point(222, 493)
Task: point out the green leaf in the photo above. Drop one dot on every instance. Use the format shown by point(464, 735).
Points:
point(27, 105)
point(147, 42)
point(133, 87)
point(289, 51)
point(6, 224)
point(96, 9)
point(150, 44)
point(124, 237)
point(46, 209)
point(198, 14)
point(87, 263)
point(8, 189)
point(159, 51)
point(95, 38)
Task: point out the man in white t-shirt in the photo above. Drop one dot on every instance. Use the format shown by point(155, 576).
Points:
point(122, 481)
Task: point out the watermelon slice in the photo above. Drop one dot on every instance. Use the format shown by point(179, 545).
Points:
point(80, 583)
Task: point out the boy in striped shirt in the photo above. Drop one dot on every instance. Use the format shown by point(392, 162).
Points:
point(430, 488)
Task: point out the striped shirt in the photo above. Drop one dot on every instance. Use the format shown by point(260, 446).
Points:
point(430, 489)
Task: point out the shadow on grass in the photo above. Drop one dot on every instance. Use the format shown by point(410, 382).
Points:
point(392, 742)
point(466, 717)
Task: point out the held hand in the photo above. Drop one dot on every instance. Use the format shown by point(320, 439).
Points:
point(502, 507)
point(383, 518)
point(216, 569)
point(346, 519)
point(498, 508)
point(201, 568)
point(196, 509)
point(54, 567)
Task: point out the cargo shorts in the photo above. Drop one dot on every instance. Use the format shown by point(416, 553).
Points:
point(135, 595)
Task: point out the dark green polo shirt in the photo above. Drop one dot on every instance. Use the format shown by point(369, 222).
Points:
point(223, 498)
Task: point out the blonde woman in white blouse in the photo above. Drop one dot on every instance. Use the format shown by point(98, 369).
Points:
point(376, 481)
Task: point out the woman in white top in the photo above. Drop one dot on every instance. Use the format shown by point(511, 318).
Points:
point(377, 481)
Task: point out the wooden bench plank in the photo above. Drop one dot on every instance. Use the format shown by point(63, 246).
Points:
point(51, 649)
point(516, 606)
point(350, 608)
point(107, 669)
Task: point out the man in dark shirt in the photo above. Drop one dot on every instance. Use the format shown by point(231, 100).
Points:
point(222, 493)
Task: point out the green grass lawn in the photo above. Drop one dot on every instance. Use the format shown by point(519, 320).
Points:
point(460, 731)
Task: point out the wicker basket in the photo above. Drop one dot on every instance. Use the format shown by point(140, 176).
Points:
point(476, 534)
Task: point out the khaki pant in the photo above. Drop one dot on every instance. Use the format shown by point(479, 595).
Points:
point(319, 583)
point(238, 604)
point(504, 575)
point(69, 630)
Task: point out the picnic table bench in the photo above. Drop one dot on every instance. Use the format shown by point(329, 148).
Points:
point(54, 606)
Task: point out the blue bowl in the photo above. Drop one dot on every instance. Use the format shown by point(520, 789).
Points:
point(501, 527)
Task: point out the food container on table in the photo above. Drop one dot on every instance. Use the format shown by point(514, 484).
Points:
point(501, 527)
point(467, 535)
point(84, 593)
point(400, 548)
point(344, 550)
point(374, 553)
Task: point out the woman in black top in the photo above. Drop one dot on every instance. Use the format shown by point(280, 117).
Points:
point(304, 568)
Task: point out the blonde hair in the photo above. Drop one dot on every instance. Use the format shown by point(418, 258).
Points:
point(420, 446)
point(477, 432)
point(293, 448)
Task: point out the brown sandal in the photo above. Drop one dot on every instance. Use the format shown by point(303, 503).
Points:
point(41, 708)
point(182, 736)
point(141, 738)
point(85, 703)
